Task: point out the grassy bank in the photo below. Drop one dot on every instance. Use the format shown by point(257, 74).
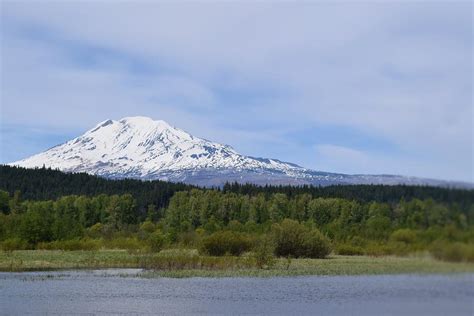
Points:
point(175, 263)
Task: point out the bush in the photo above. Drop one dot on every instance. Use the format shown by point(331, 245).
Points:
point(13, 244)
point(95, 231)
point(377, 249)
point(294, 239)
point(406, 236)
point(156, 240)
point(454, 252)
point(349, 250)
point(358, 241)
point(235, 226)
point(263, 252)
point(70, 245)
point(148, 227)
point(288, 237)
point(226, 242)
point(126, 243)
point(188, 239)
point(315, 244)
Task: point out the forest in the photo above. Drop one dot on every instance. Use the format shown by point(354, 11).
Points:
point(46, 184)
point(47, 209)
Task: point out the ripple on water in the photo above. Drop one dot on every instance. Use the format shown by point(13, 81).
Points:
point(124, 291)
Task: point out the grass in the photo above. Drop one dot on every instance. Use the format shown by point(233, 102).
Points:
point(188, 263)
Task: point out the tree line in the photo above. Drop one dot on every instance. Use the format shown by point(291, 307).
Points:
point(194, 217)
point(46, 184)
point(47, 209)
point(340, 219)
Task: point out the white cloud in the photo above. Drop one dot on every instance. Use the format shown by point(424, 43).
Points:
point(355, 161)
point(401, 71)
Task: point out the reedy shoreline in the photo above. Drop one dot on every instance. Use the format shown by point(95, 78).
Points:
point(188, 263)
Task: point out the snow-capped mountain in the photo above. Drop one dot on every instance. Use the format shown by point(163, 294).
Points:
point(139, 147)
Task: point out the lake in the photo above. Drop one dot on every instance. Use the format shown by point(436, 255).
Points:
point(126, 292)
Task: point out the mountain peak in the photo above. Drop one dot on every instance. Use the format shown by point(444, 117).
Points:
point(141, 147)
point(143, 121)
point(138, 123)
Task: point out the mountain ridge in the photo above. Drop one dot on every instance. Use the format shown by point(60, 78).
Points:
point(142, 148)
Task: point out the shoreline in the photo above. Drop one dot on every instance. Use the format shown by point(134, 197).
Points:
point(186, 263)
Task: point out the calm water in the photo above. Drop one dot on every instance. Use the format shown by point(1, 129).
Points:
point(108, 292)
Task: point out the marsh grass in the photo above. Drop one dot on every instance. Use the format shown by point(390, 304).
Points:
point(188, 263)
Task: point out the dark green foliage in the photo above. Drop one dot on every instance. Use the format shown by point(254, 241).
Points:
point(263, 252)
point(147, 227)
point(11, 244)
point(125, 214)
point(156, 240)
point(47, 184)
point(293, 239)
point(70, 245)
point(349, 250)
point(315, 244)
point(226, 242)
point(69, 217)
point(454, 252)
point(362, 192)
point(121, 211)
point(378, 227)
point(15, 202)
point(35, 225)
point(404, 235)
point(4, 202)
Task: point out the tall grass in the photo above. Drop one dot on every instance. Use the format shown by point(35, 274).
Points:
point(179, 263)
point(186, 261)
point(11, 244)
point(453, 252)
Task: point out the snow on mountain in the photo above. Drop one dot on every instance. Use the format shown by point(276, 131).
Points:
point(139, 147)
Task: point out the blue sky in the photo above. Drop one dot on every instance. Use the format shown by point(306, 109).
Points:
point(375, 87)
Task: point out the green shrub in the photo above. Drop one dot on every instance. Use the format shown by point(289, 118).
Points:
point(294, 239)
point(125, 243)
point(288, 237)
point(454, 252)
point(156, 240)
point(358, 241)
point(263, 252)
point(70, 245)
point(235, 226)
point(405, 235)
point(148, 227)
point(226, 242)
point(11, 244)
point(315, 244)
point(95, 231)
point(349, 250)
point(189, 239)
point(378, 249)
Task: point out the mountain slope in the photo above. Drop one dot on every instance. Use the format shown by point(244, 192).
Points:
point(139, 147)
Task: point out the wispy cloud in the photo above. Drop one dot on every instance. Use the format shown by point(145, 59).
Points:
point(392, 81)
